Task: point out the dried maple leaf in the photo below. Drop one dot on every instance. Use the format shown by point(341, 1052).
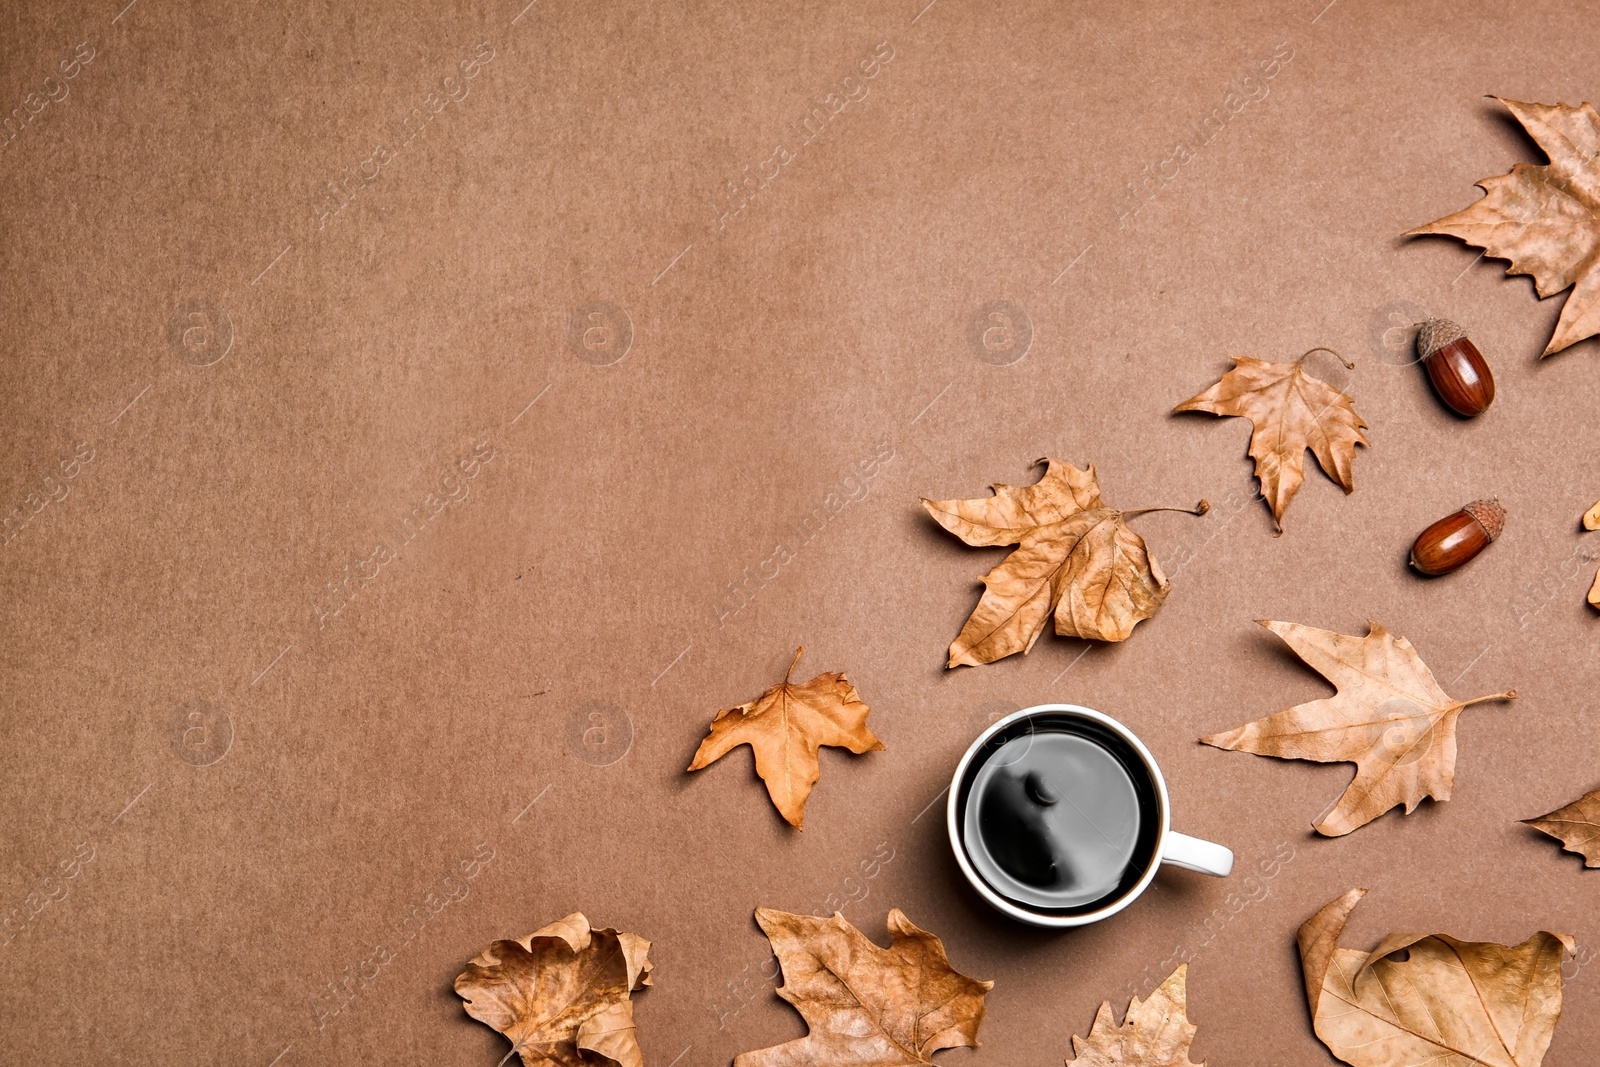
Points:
point(1577, 826)
point(1545, 220)
point(1428, 998)
point(1290, 411)
point(1155, 1033)
point(1390, 719)
point(1076, 559)
point(784, 727)
point(866, 1006)
point(561, 994)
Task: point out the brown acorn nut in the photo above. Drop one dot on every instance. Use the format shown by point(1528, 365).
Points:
point(1458, 371)
point(1452, 541)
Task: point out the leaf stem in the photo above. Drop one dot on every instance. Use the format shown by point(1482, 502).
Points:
point(1325, 348)
point(799, 649)
point(516, 1046)
point(1509, 694)
point(1199, 509)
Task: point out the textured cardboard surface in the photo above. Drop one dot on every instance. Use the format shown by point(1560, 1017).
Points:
point(380, 550)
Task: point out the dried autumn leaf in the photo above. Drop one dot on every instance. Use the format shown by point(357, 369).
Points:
point(784, 727)
point(561, 994)
point(1155, 1033)
point(1545, 220)
point(1390, 719)
point(867, 1006)
point(1420, 998)
point(1591, 521)
point(1076, 559)
point(1290, 411)
point(1576, 826)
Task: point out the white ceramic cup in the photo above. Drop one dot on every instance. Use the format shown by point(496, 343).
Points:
point(1180, 850)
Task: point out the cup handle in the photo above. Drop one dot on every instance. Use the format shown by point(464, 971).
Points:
point(1181, 850)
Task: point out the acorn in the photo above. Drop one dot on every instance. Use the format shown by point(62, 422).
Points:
point(1458, 371)
point(1451, 542)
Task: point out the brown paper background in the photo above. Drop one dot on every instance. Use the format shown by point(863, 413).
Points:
point(990, 160)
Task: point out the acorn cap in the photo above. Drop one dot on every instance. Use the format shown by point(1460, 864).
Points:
point(1490, 515)
point(1435, 334)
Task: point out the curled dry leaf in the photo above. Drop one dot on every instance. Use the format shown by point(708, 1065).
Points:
point(784, 727)
point(867, 1006)
point(1290, 411)
point(561, 994)
point(1428, 998)
point(1076, 560)
point(1390, 719)
point(1155, 1033)
point(1576, 826)
point(1545, 220)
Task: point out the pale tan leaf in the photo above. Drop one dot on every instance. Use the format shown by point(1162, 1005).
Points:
point(1155, 1033)
point(1428, 998)
point(784, 727)
point(1389, 718)
point(867, 1006)
point(1290, 411)
point(561, 994)
point(1576, 826)
point(1545, 220)
point(1591, 521)
point(1076, 561)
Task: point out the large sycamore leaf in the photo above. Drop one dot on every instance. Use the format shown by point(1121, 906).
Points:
point(867, 1006)
point(1576, 826)
point(1428, 998)
point(1390, 719)
point(1155, 1033)
point(1076, 560)
point(1290, 411)
point(1545, 220)
point(784, 727)
point(561, 994)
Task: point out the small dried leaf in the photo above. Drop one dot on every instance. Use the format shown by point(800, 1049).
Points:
point(1290, 411)
point(1390, 719)
point(1545, 220)
point(1420, 998)
point(784, 727)
point(866, 1006)
point(1155, 1033)
point(1076, 561)
point(1577, 826)
point(561, 993)
point(1591, 521)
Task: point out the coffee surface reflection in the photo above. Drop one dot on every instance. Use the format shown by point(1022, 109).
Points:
point(1053, 820)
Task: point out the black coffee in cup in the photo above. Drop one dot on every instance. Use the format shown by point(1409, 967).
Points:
point(1059, 814)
